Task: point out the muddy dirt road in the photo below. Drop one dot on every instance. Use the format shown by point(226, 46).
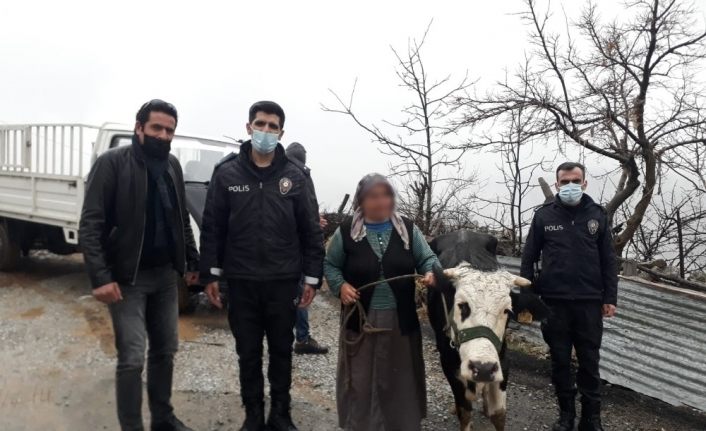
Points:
point(57, 366)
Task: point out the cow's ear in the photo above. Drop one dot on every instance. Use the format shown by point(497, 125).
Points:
point(524, 301)
point(444, 278)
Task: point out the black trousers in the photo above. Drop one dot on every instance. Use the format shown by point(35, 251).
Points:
point(257, 310)
point(577, 324)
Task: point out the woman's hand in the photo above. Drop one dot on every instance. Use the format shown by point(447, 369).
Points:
point(429, 280)
point(349, 294)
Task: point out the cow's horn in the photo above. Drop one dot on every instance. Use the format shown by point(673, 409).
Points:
point(522, 282)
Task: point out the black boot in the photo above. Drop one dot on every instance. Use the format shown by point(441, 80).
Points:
point(590, 416)
point(591, 423)
point(171, 424)
point(254, 417)
point(567, 415)
point(280, 419)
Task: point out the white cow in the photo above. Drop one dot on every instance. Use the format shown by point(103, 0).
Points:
point(482, 304)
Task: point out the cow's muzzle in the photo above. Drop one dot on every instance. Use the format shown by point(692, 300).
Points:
point(483, 371)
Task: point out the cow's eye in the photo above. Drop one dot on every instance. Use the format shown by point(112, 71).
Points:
point(465, 310)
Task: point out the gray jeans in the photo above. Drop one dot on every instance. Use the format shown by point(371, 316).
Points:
point(148, 311)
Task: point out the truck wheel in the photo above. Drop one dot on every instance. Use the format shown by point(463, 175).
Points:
point(9, 250)
point(186, 303)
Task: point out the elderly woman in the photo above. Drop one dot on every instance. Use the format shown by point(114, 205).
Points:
point(380, 384)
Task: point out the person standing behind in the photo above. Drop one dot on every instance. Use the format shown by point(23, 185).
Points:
point(304, 343)
point(261, 233)
point(135, 237)
point(579, 282)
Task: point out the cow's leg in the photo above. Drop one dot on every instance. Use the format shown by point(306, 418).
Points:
point(494, 405)
point(463, 393)
point(450, 360)
point(464, 418)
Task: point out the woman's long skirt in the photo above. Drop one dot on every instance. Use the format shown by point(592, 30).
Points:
point(382, 385)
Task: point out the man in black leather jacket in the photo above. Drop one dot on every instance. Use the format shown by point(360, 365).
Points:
point(136, 240)
point(261, 233)
point(579, 283)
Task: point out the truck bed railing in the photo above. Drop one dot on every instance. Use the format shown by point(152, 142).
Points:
point(47, 149)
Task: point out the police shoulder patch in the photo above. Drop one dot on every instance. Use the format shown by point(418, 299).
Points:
point(226, 159)
point(542, 205)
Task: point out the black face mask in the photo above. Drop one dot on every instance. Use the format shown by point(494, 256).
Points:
point(155, 147)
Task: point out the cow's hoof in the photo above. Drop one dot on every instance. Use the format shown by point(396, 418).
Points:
point(464, 418)
point(498, 421)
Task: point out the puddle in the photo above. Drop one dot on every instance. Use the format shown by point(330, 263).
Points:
point(192, 326)
point(101, 327)
point(188, 331)
point(32, 313)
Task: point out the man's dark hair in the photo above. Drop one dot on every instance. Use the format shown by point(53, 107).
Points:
point(267, 107)
point(568, 166)
point(156, 105)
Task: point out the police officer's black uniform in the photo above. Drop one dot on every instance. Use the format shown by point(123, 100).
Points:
point(261, 233)
point(578, 276)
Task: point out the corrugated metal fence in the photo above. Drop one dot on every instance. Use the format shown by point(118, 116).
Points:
point(656, 344)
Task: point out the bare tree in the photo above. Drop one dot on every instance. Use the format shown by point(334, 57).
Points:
point(508, 213)
point(631, 96)
point(423, 158)
point(674, 229)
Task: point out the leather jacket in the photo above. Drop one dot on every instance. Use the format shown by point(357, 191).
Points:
point(112, 227)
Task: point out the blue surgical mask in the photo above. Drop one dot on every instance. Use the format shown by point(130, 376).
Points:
point(263, 142)
point(570, 194)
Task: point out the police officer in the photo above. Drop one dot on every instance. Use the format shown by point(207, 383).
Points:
point(261, 233)
point(579, 282)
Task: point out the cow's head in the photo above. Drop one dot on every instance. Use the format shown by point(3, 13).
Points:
point(481, 300)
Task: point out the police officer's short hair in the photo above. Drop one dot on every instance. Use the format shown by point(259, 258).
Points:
point(268, 107)
point(568, 166)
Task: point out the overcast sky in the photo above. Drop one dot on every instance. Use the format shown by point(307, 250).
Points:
point(98, 61)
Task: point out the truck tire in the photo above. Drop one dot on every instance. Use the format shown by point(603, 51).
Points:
point(9, 250)
point(187, 304)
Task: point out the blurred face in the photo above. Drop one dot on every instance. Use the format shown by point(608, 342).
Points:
point(575, 176)
point(268, 123)
point(378, 203)
point(159, 125)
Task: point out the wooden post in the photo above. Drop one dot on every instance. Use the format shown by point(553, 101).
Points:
point(680, 242)
point(630, 268)
point(546, 189)
point(342, 207)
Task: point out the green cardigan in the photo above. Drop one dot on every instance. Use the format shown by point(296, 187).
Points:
point(383, 298)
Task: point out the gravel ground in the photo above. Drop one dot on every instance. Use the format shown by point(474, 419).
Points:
point(58, 363)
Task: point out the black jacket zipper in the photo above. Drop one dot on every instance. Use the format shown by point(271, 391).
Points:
point(142, 237)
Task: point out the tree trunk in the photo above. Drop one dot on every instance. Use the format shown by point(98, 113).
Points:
point(633, 222)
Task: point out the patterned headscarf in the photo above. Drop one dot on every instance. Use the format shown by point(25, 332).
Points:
point(358, 230)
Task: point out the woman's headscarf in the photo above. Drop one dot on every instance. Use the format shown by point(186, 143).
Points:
point(358, 230)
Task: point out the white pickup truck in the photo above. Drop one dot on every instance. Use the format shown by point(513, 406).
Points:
point(43, 170)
